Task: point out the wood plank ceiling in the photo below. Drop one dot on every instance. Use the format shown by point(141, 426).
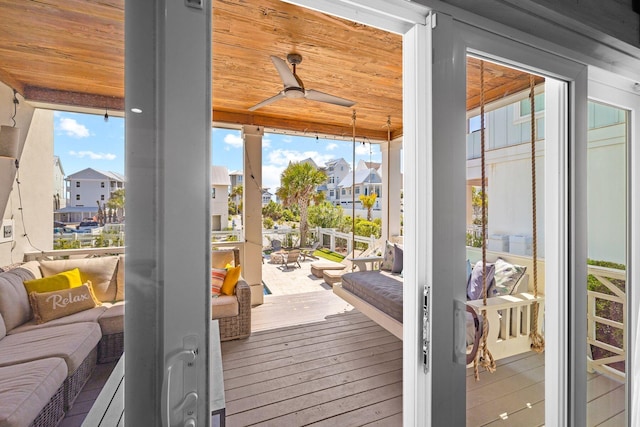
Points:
point(70, 54)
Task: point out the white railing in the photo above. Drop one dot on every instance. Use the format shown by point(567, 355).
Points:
point(599, 321)
point(73, 253)
point(348, 238)
point(227, 236)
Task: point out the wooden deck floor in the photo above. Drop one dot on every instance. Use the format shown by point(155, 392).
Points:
point(312, 360)
point(339, 368)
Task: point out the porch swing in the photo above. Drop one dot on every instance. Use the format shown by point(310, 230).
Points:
point(480, 354)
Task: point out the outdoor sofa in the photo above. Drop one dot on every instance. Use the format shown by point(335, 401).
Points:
point(44, 365)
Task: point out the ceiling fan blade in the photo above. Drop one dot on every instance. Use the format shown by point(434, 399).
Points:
point(315, 95)
point(267, 101)
point(288, 79)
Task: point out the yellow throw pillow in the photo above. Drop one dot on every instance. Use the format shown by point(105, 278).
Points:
point(65, 280)
point(230, 280)
point(53, 305)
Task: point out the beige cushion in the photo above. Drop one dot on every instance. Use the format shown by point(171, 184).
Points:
point(73, 343)
point(220, 258)
point(53, 305)
point(224, 306)
point(91, 315)
point(33, 267)
point(14, 302)
point(25, 389)
point(112, 320)
point(120, 279)
point(100, 271)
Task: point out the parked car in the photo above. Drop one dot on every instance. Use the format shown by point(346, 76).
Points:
point(87, 225)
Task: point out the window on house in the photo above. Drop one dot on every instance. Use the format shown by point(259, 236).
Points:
point(213, 193)
point(102, 197)
point(77, 184)
point(344, 192)
point(474, 124)
point(331, 193)
point(77, 197)
point(357, 190)
point(102, 185)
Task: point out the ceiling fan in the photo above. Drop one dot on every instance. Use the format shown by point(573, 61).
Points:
point(294, 88)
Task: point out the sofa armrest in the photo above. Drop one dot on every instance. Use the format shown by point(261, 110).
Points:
point(366, 263)
point(243, 293)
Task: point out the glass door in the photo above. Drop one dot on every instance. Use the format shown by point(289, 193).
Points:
point(527, 388)
point(611, 303)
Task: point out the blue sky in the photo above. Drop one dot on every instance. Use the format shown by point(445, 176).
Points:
point(85, 140)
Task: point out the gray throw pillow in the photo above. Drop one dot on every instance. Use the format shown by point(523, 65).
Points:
point(474, 288)
point(397, 259)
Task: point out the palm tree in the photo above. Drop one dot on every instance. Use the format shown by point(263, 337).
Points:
point(236, 192)
point(298, 184)
point(368, 202)
point(116, 202)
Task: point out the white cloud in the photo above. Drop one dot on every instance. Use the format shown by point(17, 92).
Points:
point(271, 177)
point(331, 146)
point(287, 139)
point(234, 141)
point(73, 128)
point(266, 143)
point(281, 157)
point(92, 155)
point(362, 149)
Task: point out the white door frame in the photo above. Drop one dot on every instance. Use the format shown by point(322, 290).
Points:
point(168, 140)
point(622, 93)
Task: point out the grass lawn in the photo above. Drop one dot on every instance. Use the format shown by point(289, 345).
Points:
point(327, 254)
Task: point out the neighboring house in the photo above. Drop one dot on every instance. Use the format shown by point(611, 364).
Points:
point(59, 190)
point(220, 183)
point(266, 196)
point(508, 166)
point(336, 171)
point(236, 179)
point(84, 190)
point(368, 180)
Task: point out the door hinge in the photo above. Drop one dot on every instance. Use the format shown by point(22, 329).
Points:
point(426, 329)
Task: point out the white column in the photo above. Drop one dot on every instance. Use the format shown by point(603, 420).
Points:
point(252, 211)
point(391, 188)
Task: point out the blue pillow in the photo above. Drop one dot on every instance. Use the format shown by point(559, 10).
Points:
point(474, 288)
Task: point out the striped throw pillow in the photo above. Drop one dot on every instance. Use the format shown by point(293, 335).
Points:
point(217, 279)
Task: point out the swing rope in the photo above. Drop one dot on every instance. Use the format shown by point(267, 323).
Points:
point(537, 341)
point(483, 357)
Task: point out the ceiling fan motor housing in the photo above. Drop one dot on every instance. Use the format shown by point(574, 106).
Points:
point(294, 58)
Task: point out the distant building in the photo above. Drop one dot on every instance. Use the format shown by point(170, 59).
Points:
point(266, 196)
point(59, 191)
point(236, 179)
point(84, 190)
point(368, 180)
point(336, 171)
point(220, 182)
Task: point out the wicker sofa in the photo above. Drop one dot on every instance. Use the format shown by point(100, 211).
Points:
point(44, 366)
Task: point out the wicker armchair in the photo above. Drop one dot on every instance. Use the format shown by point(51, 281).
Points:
point(239, 326)
point(234, 323)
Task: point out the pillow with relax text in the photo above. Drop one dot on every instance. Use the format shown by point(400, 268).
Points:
point(53, 305)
